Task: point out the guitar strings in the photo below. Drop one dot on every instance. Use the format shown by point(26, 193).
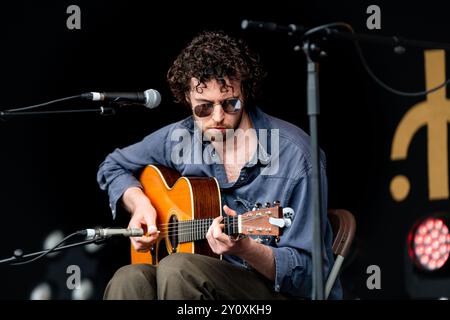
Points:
point(234, 217)
point(175, 225)
point(192, 233)
point(194, 230)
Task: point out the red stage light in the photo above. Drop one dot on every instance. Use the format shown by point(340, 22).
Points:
point(429, 244)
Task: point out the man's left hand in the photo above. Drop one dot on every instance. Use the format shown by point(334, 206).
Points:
point(221, 243)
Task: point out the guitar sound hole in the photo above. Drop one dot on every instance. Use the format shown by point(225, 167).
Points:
point(162, 250)
point(173, 232)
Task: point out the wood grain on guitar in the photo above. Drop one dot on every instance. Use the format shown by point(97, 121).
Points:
point(186, 207)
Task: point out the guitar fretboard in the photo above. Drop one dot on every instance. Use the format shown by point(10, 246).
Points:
point(193, 230)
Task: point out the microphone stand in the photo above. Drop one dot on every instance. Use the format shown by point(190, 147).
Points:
point(19, 256)
point(310, 46)
point(104, 111)
point(313, 53)
point(150, 98)
point(313, 104)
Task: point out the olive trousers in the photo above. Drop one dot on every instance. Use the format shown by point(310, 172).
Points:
point(185, 276)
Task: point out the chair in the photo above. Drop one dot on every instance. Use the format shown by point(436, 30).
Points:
point(344, 226)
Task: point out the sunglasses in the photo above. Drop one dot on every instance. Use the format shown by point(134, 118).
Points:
point(229, 106)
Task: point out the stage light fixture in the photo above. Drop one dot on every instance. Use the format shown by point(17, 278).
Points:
point(429, 243)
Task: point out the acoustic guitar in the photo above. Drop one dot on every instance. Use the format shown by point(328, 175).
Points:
point(186, 207)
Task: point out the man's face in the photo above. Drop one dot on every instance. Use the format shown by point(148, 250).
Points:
point(216, 124)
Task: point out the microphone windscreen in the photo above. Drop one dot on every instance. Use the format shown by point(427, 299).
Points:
point(153, 98)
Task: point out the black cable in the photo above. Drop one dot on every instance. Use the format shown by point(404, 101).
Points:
point(366, 65)
point(49, 250)
point(389, 88)
point(327, 26)
point(44, 104)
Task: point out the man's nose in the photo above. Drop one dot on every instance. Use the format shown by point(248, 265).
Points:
point(218, 113)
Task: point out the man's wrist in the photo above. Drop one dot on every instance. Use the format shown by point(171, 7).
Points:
point(246, 247)
point(134, 199)
point(260, 257)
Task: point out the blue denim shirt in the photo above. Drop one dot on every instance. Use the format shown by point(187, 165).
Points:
point(280, 170)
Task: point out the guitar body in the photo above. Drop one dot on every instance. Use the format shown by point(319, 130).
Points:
point(177, 199)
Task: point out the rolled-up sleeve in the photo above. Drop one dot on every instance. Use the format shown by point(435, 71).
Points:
point(118, 171)
point(293, 260)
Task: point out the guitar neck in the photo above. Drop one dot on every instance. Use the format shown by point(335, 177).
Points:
point(193, 230)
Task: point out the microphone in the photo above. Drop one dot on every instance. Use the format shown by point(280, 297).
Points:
point(271, 27)
point(149, 98)
point(108, 232)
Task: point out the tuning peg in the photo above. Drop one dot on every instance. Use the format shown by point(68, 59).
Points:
point(268, 205)
point(257, 206)
point(276, 203)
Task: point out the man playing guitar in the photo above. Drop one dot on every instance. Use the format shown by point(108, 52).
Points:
point(254, 157)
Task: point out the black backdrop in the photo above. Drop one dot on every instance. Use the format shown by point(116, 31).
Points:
point(48, 164)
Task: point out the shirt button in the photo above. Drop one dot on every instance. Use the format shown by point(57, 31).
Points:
point(242, 178)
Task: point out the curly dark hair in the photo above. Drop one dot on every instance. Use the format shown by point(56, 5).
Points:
point(216, 55)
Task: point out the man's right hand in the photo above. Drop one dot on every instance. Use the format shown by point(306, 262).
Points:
point(143, 216)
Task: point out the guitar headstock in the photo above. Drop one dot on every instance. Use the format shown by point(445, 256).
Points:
point(261, 221)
